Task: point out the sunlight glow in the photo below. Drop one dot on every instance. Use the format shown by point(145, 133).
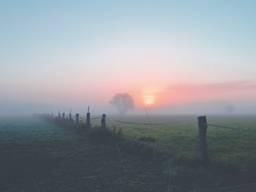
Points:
point(148, 99)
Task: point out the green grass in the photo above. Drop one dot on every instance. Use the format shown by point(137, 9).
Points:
point(67, 159)
point(37, 155)
point(232, 152)
point(179, 136)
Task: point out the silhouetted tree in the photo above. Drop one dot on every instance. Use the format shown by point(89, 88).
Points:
point(123, 102)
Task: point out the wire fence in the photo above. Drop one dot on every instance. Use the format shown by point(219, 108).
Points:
point(222, 126)
point(171, 178)
point(172, 167)
point(156, 125)
point(136, 123)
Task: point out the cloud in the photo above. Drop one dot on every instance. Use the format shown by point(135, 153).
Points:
point(223, 86)
point(232, 91)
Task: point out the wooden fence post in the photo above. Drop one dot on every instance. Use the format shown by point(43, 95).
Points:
point(202, 128)
point(70, 117)
point(88, 120)
point(77, 118)
point(103, 121)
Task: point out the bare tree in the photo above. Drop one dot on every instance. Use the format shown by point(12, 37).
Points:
point(123, 102)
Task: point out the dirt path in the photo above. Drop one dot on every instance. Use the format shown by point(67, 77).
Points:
point(38, 156)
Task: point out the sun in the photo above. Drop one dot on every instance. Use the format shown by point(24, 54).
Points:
point(148, 100)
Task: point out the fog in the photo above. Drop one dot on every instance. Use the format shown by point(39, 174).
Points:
point(219, 108)
point(65, 56)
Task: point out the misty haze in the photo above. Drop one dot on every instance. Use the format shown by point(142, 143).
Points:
point(138, 95)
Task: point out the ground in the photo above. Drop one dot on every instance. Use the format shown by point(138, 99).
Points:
point(38, 155)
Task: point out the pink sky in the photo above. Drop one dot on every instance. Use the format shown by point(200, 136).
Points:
point(171, 53)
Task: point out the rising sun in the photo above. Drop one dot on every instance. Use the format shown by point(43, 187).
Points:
point(148, 99)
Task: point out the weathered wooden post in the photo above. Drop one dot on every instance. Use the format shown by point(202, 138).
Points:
point(202, 128)
point(63, 116)
point(77, 118)
point(103, 121)
point(88, 119)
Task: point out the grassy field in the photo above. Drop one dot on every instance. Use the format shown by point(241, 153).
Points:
point(37, 155)
point(231, 151)
point(178, 135)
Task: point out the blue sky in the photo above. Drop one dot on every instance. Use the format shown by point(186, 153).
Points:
point(94, 48)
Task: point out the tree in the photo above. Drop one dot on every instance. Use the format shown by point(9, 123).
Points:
point(123, 102)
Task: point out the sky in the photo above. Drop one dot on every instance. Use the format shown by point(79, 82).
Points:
point(184, 56)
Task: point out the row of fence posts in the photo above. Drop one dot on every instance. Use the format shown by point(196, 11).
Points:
point(202, 131)
point(61, 117)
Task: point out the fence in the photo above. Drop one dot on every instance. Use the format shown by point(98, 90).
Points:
point(202, 132)
point(85, 121)
point(78, 120)
point(203, 155)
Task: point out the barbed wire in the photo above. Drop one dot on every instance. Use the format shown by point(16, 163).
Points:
point(82, 118)
point(136, 123)
point(170, 179)
point(145, 123)
point(97, 117)
point(222, 126)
